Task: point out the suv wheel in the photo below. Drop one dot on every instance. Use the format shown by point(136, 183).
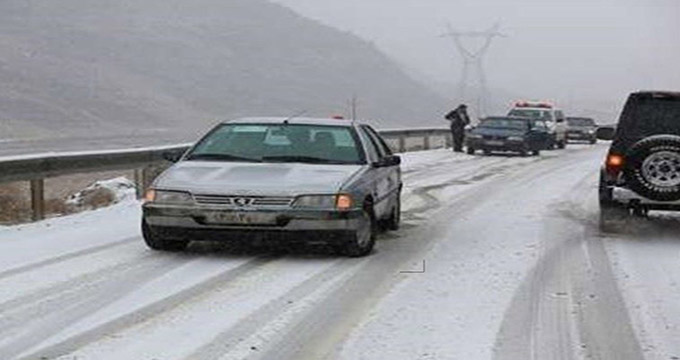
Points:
point(653, 168)
point(361, 241)
point(612, 214)
point(155, 242)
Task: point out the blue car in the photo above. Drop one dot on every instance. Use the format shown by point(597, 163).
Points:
point(509, 134)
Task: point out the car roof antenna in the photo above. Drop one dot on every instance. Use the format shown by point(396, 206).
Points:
point(297, 114)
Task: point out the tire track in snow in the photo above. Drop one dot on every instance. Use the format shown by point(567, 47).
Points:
point(71, 342)
point(37, 316)
point(89, 251)
point(224, 342)
point(568, 307)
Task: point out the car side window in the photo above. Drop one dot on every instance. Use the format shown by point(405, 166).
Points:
point(373, 153)
point(382, 145)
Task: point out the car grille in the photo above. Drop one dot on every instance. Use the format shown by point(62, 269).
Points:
point(493, 137)
point(233, 200)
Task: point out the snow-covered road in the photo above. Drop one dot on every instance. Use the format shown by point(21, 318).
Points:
point(515, 268)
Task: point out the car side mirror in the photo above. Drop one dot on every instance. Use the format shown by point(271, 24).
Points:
point(172, 156)
point(605, 133)
point(387, 161)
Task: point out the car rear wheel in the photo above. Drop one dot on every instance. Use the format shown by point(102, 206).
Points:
point(536, 152)
point(562, 144)
point(361, 241)
point(470, 151)
point(652, 168)
point(156, 242)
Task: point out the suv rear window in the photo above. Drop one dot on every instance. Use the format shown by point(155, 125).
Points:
point(653, 116)
point(646, 115)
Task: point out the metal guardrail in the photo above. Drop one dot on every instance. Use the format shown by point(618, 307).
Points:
point(36, 168)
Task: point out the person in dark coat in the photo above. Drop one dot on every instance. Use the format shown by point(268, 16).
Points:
point(459, 120)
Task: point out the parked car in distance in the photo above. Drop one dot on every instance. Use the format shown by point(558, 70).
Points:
point(581, 129)
point(286, 180)
point(642, 169)
point(507, 133)
point(553, 117)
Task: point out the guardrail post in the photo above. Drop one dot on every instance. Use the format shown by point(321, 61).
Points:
point(147, 177)
point(139, 185)
point(449, 140)
point(426, 142)
point(38, 199)
point(402, 143)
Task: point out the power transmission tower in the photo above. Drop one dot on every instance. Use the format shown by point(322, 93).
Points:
point(473, 61)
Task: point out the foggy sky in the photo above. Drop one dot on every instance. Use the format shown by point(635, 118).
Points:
point(583, 53)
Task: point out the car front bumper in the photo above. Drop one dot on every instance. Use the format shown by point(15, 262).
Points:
point(578, 135)
point(208, 223)
point(496, 145)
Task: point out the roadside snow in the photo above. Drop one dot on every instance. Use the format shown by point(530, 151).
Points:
point(121, 188)
point(25, 244)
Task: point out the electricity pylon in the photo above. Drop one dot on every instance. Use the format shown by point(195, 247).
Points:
point(473, 61)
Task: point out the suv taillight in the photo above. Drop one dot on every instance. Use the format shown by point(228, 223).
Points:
point(614, 164)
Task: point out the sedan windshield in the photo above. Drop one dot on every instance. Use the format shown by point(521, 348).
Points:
point(514, 124)
point(580, 122)
point(530, 113)
point(297, 143)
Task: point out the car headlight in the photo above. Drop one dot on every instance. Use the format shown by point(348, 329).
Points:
point(168, 197)
point(515, 138)
point(339, 202)
point(474, 136)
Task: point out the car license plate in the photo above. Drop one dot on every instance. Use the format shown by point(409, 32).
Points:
point(240, 218)
point(494, 142)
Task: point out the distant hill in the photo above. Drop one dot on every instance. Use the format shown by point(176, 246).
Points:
point(82, 66)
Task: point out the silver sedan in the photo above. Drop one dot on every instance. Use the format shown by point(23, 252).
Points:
point(286, 180)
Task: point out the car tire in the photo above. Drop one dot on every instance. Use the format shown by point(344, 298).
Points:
point(613, 219)
point(470, 151)
point(593, 141)
point(536, 152)
point(652, 168)
point(613, 215)
point(361, 241)
point(155, 242)
point(394, 221)
point(562, 144)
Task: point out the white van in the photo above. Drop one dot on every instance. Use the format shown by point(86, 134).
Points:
point(553, 116)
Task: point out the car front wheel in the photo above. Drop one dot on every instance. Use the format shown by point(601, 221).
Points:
point(395, 219)
point(361, 241)
point(156, 242)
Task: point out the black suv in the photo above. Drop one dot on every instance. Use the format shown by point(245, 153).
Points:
point(642, 169)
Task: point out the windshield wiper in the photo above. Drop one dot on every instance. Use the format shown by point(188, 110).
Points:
point(302, 159)
point(221, 157)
